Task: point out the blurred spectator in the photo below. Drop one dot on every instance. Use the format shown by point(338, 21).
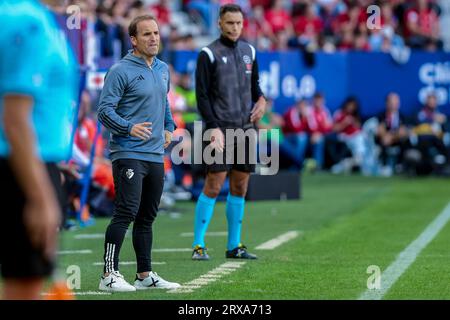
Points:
point(332, 6)
point(361, 42)
point(350, 28)
point(279, 18)
point(203, 12)
point(257, 30)
point(431, 130)
point(308, 25)
point(108, 32)
point(320, 125)
point(280, 42)
point(162, 12)
point(84, 139)
point(431, 117)
point(353, 19)
point(271, 121)
point(185, 88)
point(392, 134)
point(385, 39)
point(347, 125)
point(346, 41)
point(329, 10)
point(295, 130)
point(387, 15)
point(305, 127)
point(422, 26)
point(182, 42)
point(263, 3)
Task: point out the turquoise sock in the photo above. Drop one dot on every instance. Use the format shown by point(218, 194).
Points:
point(203, 213)
point(235, 213)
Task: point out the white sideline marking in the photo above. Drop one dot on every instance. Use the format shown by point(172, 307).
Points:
point(173, 250)
point(209, 234)
point(407, 256)
point(202, 281)
point(211, 276)
point(84, 236)
point(154, 250)
point(92, 293)
point(89, 236)
point(86, 251)
point(80, 293)
point(278, 241)
point(126, 263)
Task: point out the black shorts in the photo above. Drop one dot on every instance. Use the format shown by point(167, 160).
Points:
point(239, 153)
point(18, 258)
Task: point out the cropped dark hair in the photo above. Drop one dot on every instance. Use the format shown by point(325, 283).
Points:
point(229, 8)
point(132, 29)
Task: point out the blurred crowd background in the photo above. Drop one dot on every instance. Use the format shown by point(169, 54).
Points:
point(328, 25)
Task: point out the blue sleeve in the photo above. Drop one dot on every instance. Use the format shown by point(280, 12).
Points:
point(112, 93)
point(169, 124)
point(23, 56)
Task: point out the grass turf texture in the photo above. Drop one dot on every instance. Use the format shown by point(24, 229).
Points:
point(347, 223)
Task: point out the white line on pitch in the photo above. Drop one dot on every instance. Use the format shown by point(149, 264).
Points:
point(278, 241)
point(154, 250)
point(80, 293)
point(209, 234)
point(92, 293)
point(89, 236)
point(86, 251)
point(407, 256)
point(183, 291)
point(127, 263)
point(84, 236)
point(174, 250)
point(211, 276)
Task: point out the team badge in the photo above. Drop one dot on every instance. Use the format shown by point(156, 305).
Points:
point(129, 173)
point(248, 63)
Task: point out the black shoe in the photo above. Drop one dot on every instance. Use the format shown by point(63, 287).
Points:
point(240, 253)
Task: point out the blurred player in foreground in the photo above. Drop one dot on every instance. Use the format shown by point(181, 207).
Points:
point(38, 88)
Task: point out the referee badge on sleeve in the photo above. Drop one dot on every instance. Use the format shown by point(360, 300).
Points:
point(248, 63)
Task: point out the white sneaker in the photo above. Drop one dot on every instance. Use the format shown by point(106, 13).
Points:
point(154, 281)
point(115, 283)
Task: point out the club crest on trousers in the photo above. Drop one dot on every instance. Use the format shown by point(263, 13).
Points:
point(129, 173)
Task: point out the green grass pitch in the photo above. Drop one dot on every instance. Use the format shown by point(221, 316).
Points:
point(346, 224)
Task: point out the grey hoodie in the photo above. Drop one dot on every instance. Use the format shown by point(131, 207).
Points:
point(134, 93)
